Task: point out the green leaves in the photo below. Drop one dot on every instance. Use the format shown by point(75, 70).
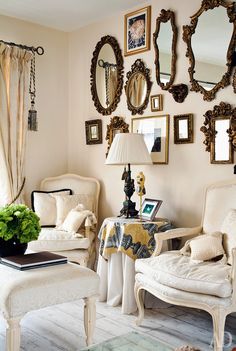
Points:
point(20, 222)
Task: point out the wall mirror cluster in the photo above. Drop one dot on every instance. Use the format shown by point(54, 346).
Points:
point(138, 87)
point(211, 40)
point(117, 125)
point(106, 75)
point(220, 133)
point(164, 41)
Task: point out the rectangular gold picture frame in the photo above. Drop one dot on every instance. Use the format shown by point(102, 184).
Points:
point(93, 131)
point(156, 103)
point(183, 128)
point(137, 26)
point(156, 136)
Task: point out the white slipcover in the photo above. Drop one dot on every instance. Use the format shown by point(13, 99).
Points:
point(179, 272)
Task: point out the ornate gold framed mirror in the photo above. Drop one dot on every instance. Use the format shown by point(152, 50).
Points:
point(211, 39)
point(138, 87)
point(220, 133)
point(183, 129)
point(117, 125)
point(106, 75)
point(164, 41)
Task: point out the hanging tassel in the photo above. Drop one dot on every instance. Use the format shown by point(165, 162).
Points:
point(32, 116)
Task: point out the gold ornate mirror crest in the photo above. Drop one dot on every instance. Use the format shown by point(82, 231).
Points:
point(211, 88)
point(220, 133)
point(164, 17)
point(106, 75)
point(117, 125)
point(138, 87)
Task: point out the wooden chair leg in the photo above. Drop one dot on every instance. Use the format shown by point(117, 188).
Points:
point(89, 318)
point(218, 318)
point(139, 297)
point(13, 335)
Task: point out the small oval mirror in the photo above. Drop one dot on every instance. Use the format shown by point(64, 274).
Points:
point(106, 75)
point(164, 40)
point(138, 87)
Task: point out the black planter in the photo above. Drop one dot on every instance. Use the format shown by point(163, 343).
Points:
point(11, 247)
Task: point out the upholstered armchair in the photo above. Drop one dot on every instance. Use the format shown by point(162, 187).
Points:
point(68, 209)
point(202, 274)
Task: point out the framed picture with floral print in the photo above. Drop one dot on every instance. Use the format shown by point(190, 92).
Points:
point(137, 31)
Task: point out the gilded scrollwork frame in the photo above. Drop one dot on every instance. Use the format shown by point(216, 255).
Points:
point(138, 67)
point(221, 111)
point(165, 16)
point(117, 125)
point(120, 68)
point(189, 30)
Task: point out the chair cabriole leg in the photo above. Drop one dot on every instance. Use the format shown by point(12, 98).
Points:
point(89, 318)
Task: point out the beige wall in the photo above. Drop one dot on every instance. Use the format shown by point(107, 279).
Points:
point(181, 183)
point(47, 148)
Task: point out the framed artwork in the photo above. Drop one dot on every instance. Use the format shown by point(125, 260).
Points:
point(93, 130)
point(183, 129)
point(149, 209)
point(155, 130)
point(137, 31)
point(156, 103)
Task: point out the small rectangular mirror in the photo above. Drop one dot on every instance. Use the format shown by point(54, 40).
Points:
point(221, 151)
point(183, 129)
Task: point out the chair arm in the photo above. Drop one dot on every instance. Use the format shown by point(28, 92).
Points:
point(233, 275)
point(172, 234)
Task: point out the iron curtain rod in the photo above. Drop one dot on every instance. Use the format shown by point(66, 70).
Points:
point(39, 50)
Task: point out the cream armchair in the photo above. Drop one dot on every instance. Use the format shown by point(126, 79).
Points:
point(207, 285)
point(79, 247)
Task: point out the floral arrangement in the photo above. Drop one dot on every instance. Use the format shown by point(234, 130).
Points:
point(18, 222)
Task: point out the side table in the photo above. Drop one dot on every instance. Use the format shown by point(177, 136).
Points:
point(122, 241)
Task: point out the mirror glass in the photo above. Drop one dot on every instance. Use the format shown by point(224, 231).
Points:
point(164, 43)
point(183, 129)
point(210, 45)
point(222, 146)
point(106, 75)
point(137, 89)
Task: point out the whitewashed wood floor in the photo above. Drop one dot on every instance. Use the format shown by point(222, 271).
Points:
point(61, 327)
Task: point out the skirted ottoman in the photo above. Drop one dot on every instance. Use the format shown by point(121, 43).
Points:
point(25, 291)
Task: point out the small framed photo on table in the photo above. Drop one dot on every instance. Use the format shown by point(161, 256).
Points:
point(93, 131)
point(137, 31)
point(149, 209)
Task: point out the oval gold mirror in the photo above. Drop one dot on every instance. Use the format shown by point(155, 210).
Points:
point(138, 87)
point(220, 133)
point(164, 41)
point(106, 75)
point(211, 40)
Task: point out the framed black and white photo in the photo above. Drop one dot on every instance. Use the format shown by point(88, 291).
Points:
point(137, 31)
point(93, 131)
point(149, 209)
point(155, 130)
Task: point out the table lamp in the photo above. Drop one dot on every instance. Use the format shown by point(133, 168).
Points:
point(128, 149)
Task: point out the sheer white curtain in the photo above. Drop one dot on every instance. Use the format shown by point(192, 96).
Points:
point(14, 80)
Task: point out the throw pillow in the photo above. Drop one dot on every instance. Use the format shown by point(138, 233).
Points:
point(228, 229)
point(66, 203)
point(73, 221)
point(44, 204)
point(206, 247)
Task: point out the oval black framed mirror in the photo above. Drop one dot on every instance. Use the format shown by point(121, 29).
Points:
point(164, 41)
point(211, 39)
point(220, 133)
point(106, 75)
point(138, 87)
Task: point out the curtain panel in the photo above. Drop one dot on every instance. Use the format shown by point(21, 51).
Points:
point(14, 84)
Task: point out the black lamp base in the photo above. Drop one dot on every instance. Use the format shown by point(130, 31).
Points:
point(128, 209)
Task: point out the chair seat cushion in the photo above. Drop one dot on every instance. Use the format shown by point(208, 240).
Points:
point(51, 239)
point(179, 272)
